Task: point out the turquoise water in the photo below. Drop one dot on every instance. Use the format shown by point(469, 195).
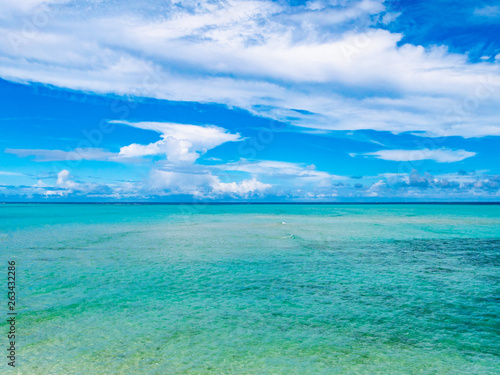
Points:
point(254, 289)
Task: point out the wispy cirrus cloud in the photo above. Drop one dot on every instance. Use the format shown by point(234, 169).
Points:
point(77, 154)
point(280, 169)
point(488, 11)
point(441, 155)
point(7, 173)
point(331, 59)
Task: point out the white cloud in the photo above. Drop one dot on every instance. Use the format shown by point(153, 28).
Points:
point(6, 173)
point(65, 186)
point(64, 180)
point(390, 17)
point(180, 142)
point(488, 11)
point(245, 187)
point(240, 179)
point(251, 53)
point(203, 185)
point(284, 176)
point(441, 155)
point(182, 183)
point(277, 168)
point(40, 184)
point(60, 155)
point(14, 7)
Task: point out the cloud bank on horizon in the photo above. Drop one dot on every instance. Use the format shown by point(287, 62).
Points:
point(261, 100)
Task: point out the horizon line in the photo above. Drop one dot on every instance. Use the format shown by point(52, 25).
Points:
point(263, 203)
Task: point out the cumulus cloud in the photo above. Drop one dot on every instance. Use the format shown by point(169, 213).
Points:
point(64, 180)
point(63, 185)
point(292, 180)
point(203, 185)
point(180, 142)
point(245, 187)
point(427, 187)
point(448, 186)
point(441, 155)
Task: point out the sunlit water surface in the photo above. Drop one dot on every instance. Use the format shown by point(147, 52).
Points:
point(254, 289)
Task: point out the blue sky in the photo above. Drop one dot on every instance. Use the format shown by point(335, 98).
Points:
point(250, 100)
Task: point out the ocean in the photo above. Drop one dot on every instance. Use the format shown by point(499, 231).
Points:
point(252, 289)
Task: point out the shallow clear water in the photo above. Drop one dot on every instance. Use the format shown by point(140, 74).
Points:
point(254, 289)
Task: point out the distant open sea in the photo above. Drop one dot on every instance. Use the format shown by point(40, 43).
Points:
point(252, 289)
